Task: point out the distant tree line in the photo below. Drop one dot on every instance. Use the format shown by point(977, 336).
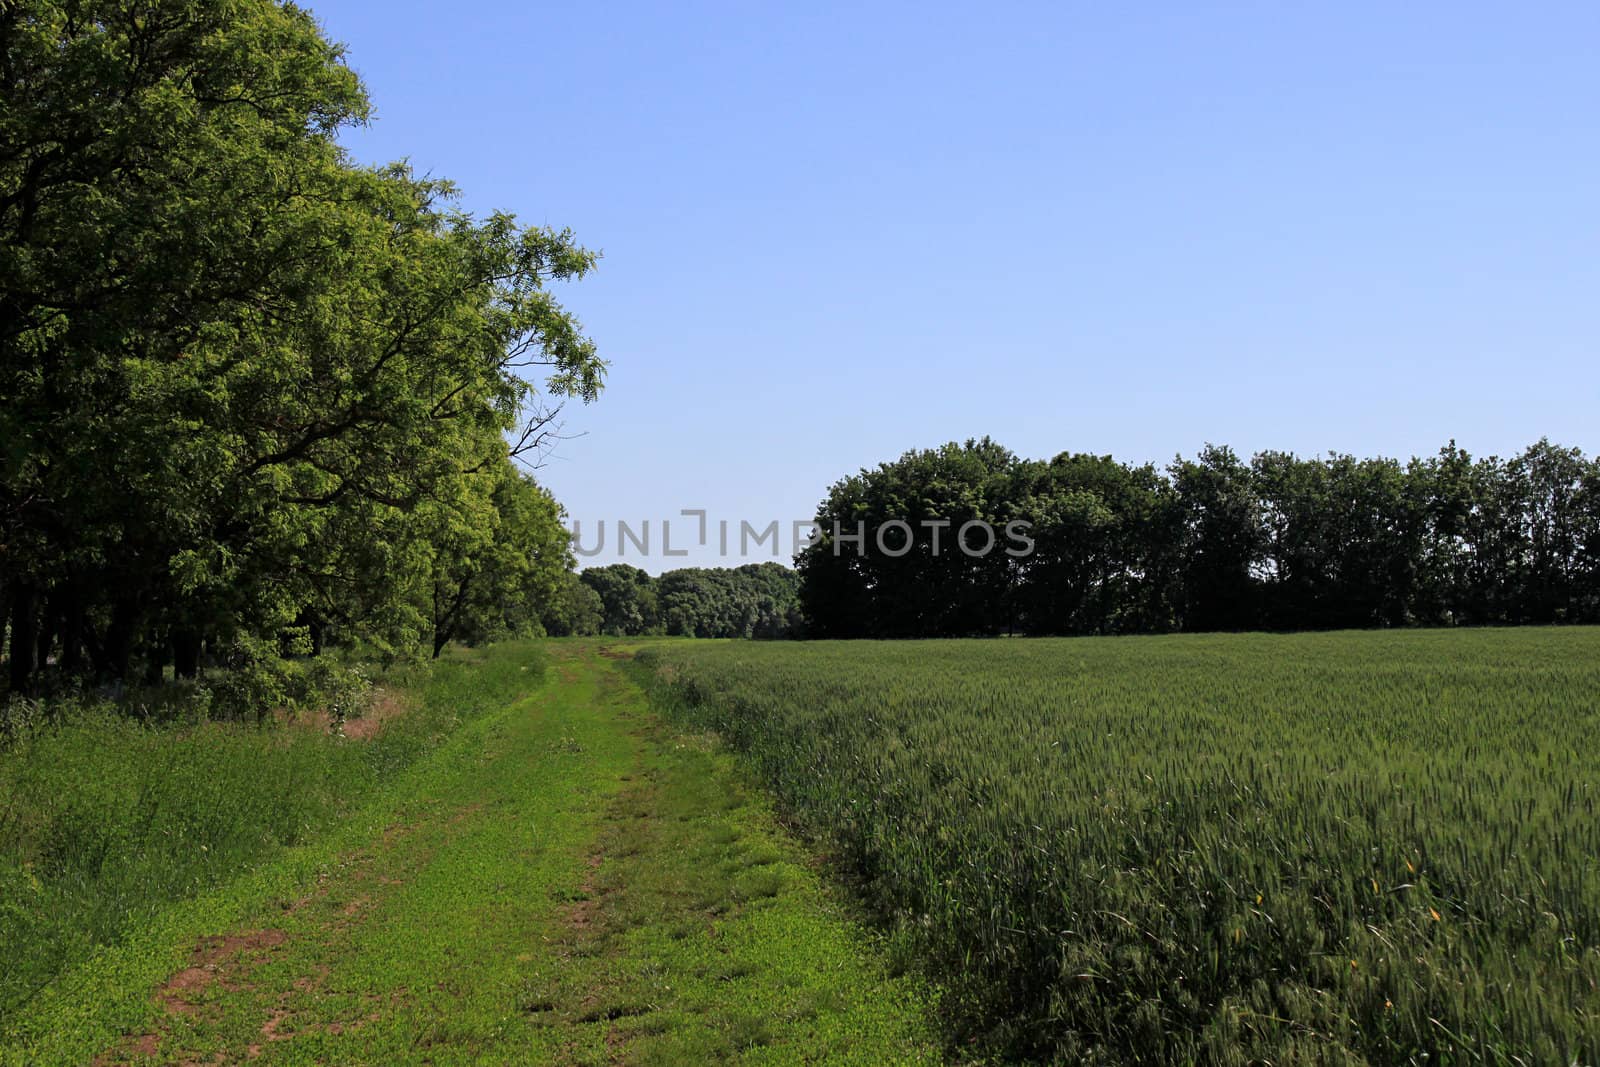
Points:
point(759, 600)
point(254, 399)
point(1209, 543)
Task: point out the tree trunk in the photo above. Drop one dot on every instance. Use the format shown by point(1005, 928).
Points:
point(444, 625)
point(117, 648)
point(24, 638)
point(71, 619)
point(154, 664)
point(45, 638)
point(185, 653)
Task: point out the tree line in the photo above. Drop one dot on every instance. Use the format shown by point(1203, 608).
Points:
point(254, 399)
point(757, 600)
point(1214, 542)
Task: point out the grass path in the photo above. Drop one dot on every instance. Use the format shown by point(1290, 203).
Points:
point(571, 882)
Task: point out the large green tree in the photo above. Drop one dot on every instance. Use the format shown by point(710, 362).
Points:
point(916, 547)
point(628, 601)
point(500, 563)
point(573, 610)
point(245, 383)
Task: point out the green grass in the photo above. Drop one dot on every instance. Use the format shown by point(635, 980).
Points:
point(701, 935)
point(1334, 848)
point(562, 882)
point(107, 821)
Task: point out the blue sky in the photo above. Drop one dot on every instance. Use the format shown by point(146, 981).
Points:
point(835, 232)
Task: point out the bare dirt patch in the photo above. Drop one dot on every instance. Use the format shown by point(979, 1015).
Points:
point(269, 1031)
point(220, 960)
point(225, 960)
point(582, 913)
point(215, 959)
point(272, 1028)
point(383, 706)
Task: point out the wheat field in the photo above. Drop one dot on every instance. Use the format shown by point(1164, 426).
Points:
point(1328, 848)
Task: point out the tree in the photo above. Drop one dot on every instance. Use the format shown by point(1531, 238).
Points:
point(494, 573)
point(891, 560)
point(1559, 523)
point(243, 381)
point(1222, 540)
point(628, 600)
point(574, 610)
point(1095, 567)
point(1216, 543)
point(1441, 492)
point(755, 600)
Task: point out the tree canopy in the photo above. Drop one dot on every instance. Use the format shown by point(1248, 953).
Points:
point(755, 600)
point(249, 387)
point(1209, 543)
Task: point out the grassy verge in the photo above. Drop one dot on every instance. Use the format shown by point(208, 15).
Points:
point(107, 821)
point(701, 933)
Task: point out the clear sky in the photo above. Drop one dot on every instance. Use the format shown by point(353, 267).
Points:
point(834, 232)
